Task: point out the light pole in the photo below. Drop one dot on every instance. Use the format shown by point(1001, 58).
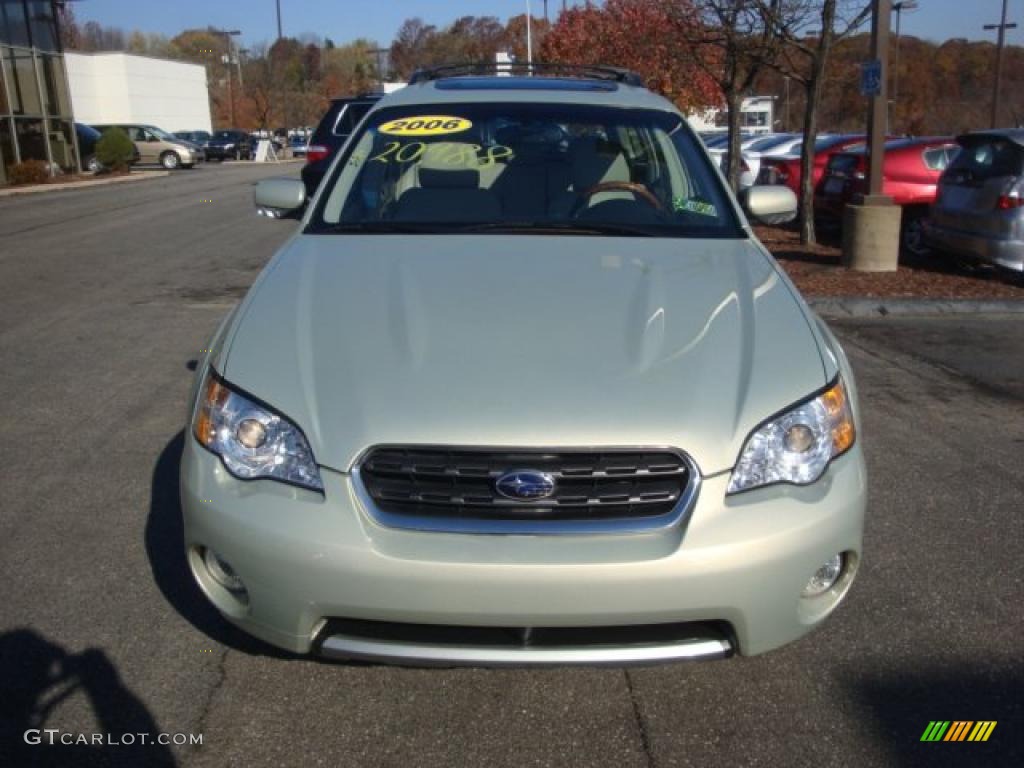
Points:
point(898, 7)
point(871, 223)
point(279, 35)
point(228, 34)
point(529, 38)
point(1002, 26)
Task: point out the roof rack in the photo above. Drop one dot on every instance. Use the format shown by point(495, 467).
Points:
point(586, 71)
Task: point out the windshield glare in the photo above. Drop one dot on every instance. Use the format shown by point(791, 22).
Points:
point(520, 166)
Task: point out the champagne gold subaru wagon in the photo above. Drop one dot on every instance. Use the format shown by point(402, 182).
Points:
point(523, 388)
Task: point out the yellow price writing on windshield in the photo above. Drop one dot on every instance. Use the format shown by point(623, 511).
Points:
point(427, 125)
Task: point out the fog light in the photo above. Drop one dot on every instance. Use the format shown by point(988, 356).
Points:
point(824, 578)
point(222, 573)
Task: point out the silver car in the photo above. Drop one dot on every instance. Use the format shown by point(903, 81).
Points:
point(979, 208)
point(523, 388)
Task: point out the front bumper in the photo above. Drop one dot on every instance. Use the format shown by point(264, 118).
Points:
point(1003, 252)
point(310, 560)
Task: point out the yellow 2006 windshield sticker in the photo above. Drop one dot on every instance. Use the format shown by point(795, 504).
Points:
point(426, 125)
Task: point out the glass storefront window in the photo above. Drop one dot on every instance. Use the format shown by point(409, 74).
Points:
point(13, 24)
point(7, 156)
point(58, 104)
point(21, 80)
point(5, 106)
point(31, 142)
point(62, 145)
point(43, 25)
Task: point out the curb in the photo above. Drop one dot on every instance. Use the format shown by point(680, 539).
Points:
point(39, 188)
point(865, 306)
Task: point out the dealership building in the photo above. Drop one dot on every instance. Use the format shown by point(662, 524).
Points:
point(124, 88)
point(36, 120)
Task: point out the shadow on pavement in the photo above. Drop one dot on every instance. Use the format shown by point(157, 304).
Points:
point(165, 547)
point(37, 675)
point(903, 703)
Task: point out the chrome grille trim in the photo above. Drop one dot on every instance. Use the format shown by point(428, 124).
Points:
point(613, 525)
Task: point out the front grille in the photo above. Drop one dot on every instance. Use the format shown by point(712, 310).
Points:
point(589, 485)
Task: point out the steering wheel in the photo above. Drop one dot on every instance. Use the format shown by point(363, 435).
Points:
point(619, 186)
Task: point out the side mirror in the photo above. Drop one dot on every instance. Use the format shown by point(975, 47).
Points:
point(769, 203)
point(152, 138)
point(279, 198)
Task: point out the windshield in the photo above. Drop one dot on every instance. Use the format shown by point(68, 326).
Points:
point(225, 135)
point(525, 167)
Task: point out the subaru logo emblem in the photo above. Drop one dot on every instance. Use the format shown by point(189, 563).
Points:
point(525, 485)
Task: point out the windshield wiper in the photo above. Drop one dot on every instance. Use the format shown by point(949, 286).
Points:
point(560, 227)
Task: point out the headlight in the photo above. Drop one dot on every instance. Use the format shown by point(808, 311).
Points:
point(797, 446)
point(229, 146)
point(252, 440)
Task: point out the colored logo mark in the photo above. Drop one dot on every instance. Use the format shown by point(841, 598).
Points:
point(958, 730)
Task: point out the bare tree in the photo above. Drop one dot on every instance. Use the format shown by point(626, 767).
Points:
point(807, 30)
point(732, 42)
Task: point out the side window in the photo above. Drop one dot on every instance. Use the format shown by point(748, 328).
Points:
point(936, 159)
point(344, 125)
point(350, 117)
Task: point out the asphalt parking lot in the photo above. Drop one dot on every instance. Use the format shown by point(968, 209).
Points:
point(106, 298)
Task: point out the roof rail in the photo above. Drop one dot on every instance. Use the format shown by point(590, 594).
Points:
point(586, 71)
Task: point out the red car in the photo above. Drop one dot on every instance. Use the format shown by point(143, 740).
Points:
point(786, 169)
point(910, 176)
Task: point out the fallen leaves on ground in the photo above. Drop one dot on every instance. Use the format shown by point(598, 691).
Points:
point(817, 270)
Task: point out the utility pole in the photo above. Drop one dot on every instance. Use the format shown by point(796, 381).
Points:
point(878, 105)
point(1002, 26)
point(871, 224)
point(529, 38)
point(898, 7)
point(279, 35)
point(228, 34)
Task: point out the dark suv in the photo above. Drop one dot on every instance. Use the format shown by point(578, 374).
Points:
point(229, 144)
point(335, 127)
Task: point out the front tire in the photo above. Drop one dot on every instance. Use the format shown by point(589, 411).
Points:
point(170, 160)
point(93, 165)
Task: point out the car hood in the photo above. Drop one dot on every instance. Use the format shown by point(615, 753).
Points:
point(523, 340)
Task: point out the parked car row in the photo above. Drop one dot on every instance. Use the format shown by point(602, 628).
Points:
point(962, 195)
point(182, 149)
point(910, 176)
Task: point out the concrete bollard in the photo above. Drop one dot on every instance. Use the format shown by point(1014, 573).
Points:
point(871, 236)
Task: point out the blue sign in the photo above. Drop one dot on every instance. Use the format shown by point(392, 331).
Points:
point(871, 78)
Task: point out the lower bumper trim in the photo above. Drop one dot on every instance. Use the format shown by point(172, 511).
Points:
point(476, 646)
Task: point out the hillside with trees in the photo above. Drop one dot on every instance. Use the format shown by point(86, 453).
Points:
point(942, 87)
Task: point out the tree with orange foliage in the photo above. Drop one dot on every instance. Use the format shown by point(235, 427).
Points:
point(641, 35)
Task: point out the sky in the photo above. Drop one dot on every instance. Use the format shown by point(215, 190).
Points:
point(344, 20)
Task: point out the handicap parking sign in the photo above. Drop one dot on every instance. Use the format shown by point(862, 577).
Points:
point(871, 78)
